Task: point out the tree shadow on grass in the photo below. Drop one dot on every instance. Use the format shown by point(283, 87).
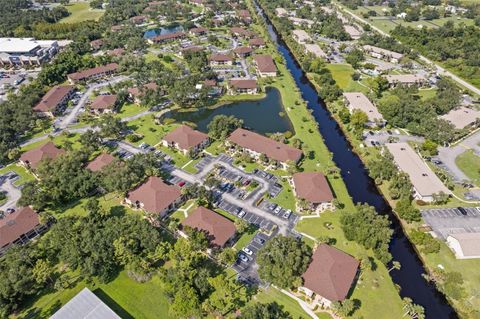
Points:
point(112, 304)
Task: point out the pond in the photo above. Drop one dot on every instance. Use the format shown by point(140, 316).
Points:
point(161, 31)
point(261, 116)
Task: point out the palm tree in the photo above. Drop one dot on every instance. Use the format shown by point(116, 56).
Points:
point(395, 265)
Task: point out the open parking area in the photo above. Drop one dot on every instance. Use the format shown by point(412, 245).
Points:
point(251, 218)
point(445, 221)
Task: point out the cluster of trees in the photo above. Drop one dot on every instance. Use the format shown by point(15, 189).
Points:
point(402, 107)
point(458, 47)
point(330, 26)
point(96, 245)
point(221, 126)
point(283, 260)
point(327, 88)
point(371, 230)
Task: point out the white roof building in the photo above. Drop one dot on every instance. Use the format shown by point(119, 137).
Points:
point(15, 51)
point(408, 79)
point(425, 182)
point(382, 53)
point(299, 21)
point(462, 117)
point(301, 36)
point(85, 305)
point(352, 31)
point(316, 50)
point(465, 245)
point(281, 12)
point(358, 101)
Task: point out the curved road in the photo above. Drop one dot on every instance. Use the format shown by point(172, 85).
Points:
point(440, 70)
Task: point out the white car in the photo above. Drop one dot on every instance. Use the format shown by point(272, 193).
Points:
point(286, 215)
point(241, 214)
point(247, 251)
point(277, 210)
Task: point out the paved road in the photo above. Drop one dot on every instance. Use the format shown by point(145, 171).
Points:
point(438, 68)
point(448, 155)
point(382, 137)
point(13, 194)
point(72, 115)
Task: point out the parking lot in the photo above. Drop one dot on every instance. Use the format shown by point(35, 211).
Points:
point(249, 217)
point(246, 265)
point(445, 221)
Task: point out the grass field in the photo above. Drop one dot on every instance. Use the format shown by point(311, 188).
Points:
point(128, 298)
point(81, 11)
point(469, 163)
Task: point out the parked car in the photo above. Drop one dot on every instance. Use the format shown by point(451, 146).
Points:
point(259, 240)
point(272, 206)
point(247, 251)
point(243, 258)
point(10, 210)
point(287, 214)
point(181, 184)
point(241, 214)
point(277, 210)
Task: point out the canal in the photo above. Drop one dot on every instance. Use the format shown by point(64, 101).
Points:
point(362, 189)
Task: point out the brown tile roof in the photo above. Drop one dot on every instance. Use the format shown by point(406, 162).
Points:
point(220, 58)
point(154, 194)
point(52, 99)
point(185, 137)
point(210, 82)
point(100, 162)
point(261, 144)
point(103, 102)
point(136, 91)
point(313, 187)
point(48, 150)
point(243, 84)
point(241, 31)
point(170, 36)
point(192, 48)
point(331, 273)
point(256, 42)
point(12, 226)
point(138, 19)
point(85, 74)
point(265, 63)
point(218, 228)
point(198, 30)
point(243, 13)
point(242, 50)
point(115, 28)
point(117, 52)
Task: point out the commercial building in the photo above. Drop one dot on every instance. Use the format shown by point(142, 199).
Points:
point(330, 276)
point(186, 139)
point(26, 51)
point(242, 86)
point(406, 79)
point(301, 36)
point(465, 245)
point(218, 229)
point(54, 101)
point(257, 144)
point(19, 227)
point(265, 65)
point(380, 53)
point(425, 183)
point(462, 117)
point(32, 158)
point(154, 196)
point(313, 187)
point(358, 101)
point(85, 305)
point(93, 73)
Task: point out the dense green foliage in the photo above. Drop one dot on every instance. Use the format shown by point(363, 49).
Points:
point(264, 311)
point(458, 47)
point(369, 229)
point(283, 260)
point(221, 126)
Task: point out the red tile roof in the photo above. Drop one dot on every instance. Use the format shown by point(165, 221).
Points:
point(154, 194)
point(185, 137)
point(220, 58)
point(52, 99)
point(198, 30)
point(243, 83)
point(100, 162)
point(170, 36)
point(242, 50)
point(331, 273)
point(313, 187)
point(136, 91)
point(33, 157)
point(85, 74)
point(218, 228)
point(12, 226)
point(256, 42)
point(103, 102)
point(261, 144)
point(265, 63)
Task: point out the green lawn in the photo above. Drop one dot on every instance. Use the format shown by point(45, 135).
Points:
point(286, 197)
point(469, 163)
point(274, 295)
point(130, 109)
point(81, 11)
point(128, 298)
point(342, 74)
point(427, 94)
point(25, 175)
